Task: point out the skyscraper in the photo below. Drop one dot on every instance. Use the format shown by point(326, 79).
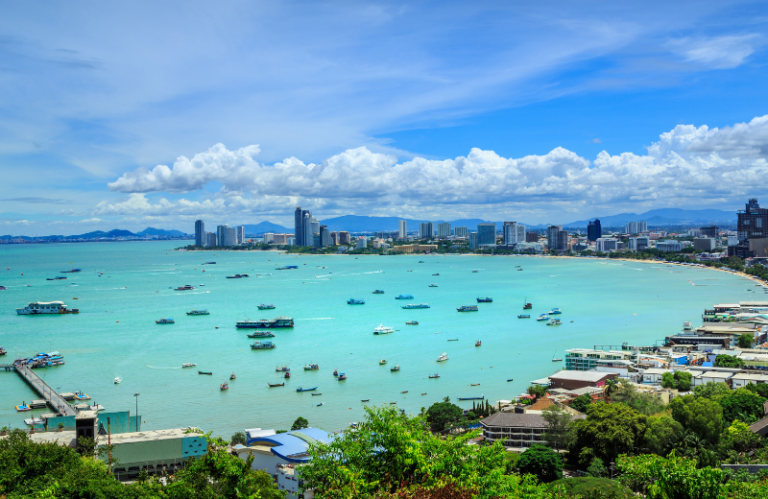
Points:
point(636, 227)
point(557, 238)
point(594, 230)
point(241, 234)
point(403, 230)
point(460, 231)
point(200, 236)
point(513, 233)
point(325, 236)
point(298, 231)
point(226, 235)
point(335, 238)
point(472, 240)
point(444, 230)
point(711, 231)
point(344, 237)
point(211, 240)
point(486, 234)
point(306, 231)
point(426, 230)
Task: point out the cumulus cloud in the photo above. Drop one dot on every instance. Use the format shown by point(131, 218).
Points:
point(723, 52)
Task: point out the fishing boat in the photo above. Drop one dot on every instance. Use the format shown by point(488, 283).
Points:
point(261, 334)
point(467, 308)
point(353, 301)
point(209, 263)
point(165, 321)
point(199, 312)
point(224, 386)
point(510, 380)
point(478, 343)
point(186, 287)
point(404, 391)
point(412, 306)
point(57, 278)
point(434, 376)
point(321, 404)
point(273, 385)
point(433, 285)
point(436, 274)
point(207, 373)
point(382, 329)
point(336, 373)
point(404, 297)
point(300, 389)
point(526, 305)
point(524, 316)
point(365, 400)
point(316, 394)
point(555, 311)
point(412, 323)
point(266, 323)
point(312, 367)
point(475, 271)
point(481, 397)
point(237, 276)
point(3, 351)
point(487, 299)
point(287, 375)
point(233, 376)
point(342, 376)
point(474, 384)
point(395, 369)
point(266, 306)
point(443, 357)
point(378, 292)
point(188, 364)
point(262, 345)
point(382, 362)
point(71, 271)
point(118, 380)
point(282, 369)
point(554, 322)
point(543, 317)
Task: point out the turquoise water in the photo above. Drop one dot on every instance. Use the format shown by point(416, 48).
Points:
point(603, 302)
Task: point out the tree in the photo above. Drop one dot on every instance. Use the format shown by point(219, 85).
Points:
point(608, 430)
point(683, 380)
point(742, 404)
point(299, 424)
point(239, 438)
point(746, 340)
point(443, 414)
point(558, 419)
point(597, 469)
point(541, 461)
point(662, 434)
point(537, 391)
point(700, 415)
point(667, 380)
point(711, 390)
point(670, 478)
point(760, 389)
point(724, 360)
point(646, 403)
point(581, 403)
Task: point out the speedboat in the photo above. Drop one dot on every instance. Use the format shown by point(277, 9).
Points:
point(554, 322)
point(382, 329)
point(434, 376)
point(443, 357)
point(188, 364)
point(524, 316)
point(186, 287)
point(118, 380)
point(555, 311)
point(543, 317)
point(165, 321)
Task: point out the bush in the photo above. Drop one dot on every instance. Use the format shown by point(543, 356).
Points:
point(597, 469)
point(581, 403)
point(542, 462)
point(299, 424)
point(239, 438)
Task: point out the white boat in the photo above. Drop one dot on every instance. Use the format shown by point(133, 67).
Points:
point(382, 329)
point(118, 380)
point(543, 317)
point(443, 357)
point(188, 364)
point(555, 311)
point(46, 307)
point(554, 322)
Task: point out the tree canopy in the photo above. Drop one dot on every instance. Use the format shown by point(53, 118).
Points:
point(742, 404)
point(300, 424)
point(443, 414)
point(581, 403)
point(724, 360)
point(699, 415)
point(608, 431)
point(541, 461)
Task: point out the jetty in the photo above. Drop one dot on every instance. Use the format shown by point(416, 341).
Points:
point(51, 397)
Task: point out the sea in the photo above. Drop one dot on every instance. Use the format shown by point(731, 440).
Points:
point(124, 287)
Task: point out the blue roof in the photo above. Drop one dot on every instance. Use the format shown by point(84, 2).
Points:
point(293, 446)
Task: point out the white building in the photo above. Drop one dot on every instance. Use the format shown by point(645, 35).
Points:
point(269, 238)
point(362, 242)
point(241, 234)
point(226, 235)
point(637, 227)
point(403, 231)
point(669, 246)
point(513, 233)
point(426, 230)
point(639, 243)
point(444, 230)
point(606, 244)
point(460, 231)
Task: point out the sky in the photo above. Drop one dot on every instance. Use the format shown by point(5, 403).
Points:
point(156, 114)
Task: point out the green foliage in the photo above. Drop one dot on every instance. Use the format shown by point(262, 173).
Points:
point(711, 390)
point(299, 424)
point(746, 340)
point(239, 438)
point(542, 462)
point(742, 404)
point(683, 380)
point(724, 360)
point(662, 434)
point(608, 430)
point(760, 389)
point(667, 380)
point(537, 391)
point(597, 469)
point(592, 488)
point(581, 403)
point(442, 415)
point(670, 478)
point(558, 420)
point(643, 402)
point(700, 415)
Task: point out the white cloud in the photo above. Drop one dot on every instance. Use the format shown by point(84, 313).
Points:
point(723, 52)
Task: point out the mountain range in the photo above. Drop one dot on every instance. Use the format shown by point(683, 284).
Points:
point(149, 231)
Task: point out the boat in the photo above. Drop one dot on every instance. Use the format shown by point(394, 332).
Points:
point(421, 261)
point(46, 307)
point(412, 323)
point(207, 373)
point(71, 271)
point(404, 391)
point(336, 373)
point(555, 359)
point(543, 317)
point(165, 321)
point(261, 334)
point(224, 386)
point(272, 385)
point(3, 288)
point(353, 301)
point(237, 276)
point(118, 380)
point(378, 292)
point(264, 306)
point(382, 362)
point(342, 376)
point(209, 263)
point(188, 364)
point(478, 343)
point(365, 400)
point(316, 394)
point(262, 345)
point(312, 367)
point(436, 274)
point(434, 376)
point(467, 308)
point(233, 376)
point(555, 311)
point(475, 271)
point(481, 397)
point(487, 299)
point(321, 404)
point(443, 357)
point(433, 285)
point(526, 305)
point(453, 339)
point(266, 323)
point(510, 380)
point(519, 270)
point(33, 421)
point(412, 306)
point(288, 267)
point(300, 389)
point(186, 287)
point(382, 329)
point(3, 351)
point(282, 369)
point(287, 375)
point(474, 384)
point(524, 316)
point(57, 278)
point(404, 297)
point(395, 369)
point(199, 312)
point(23, 408)
point(554, 322)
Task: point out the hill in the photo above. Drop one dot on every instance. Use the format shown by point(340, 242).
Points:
point(664, 216)
point(263, 227)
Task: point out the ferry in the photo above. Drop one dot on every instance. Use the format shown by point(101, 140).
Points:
point(262, 345)
point(224, 386)
point(199, 312)
point(237, 276)
point(404, 297)
point(434, 376)
point(262, 334)
point(395, 369)
point(524, 316)
point(412, 306)
point(433, 285)
point(342, 376)
point(487, 299)
point(478, 343)
point(312, 367)
point(382, 362)
point(543, 317)
point(118, 380)
point(443, 357)
point(412, 323)
point(186, 287)
point(378, 292)
point(554, 322)
point(353, 301)
point(71, 271)
point(165, 321)
point(382, 329)
point(46, 307)
point(266, 323)
point(481, 397)
point(555, 311)
point(300, 389)
point(467, 308)
point(188, 364)
point(266, 306)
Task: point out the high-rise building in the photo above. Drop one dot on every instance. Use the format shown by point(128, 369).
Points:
point(306, 235)
point(472, 240)
point(513, 233)
point(344, 237)
point(486, 234)
point(200, 237)
point(606, 244)
point(335, 238)
point(362, 242)
point(426, 230)
point(226, 235)
point(281, 239)
point(552, 237)
point(403, 230)
point(636, 227)
point(712, 231)
point(639, 243)
point(444, 230)
point(325, 236)
point(241, 234)
point(298, 230)
point(531, 237)
point(752, 224)
point(211, 240)
point(594, 230)
point(460, 231)
point(269, 237)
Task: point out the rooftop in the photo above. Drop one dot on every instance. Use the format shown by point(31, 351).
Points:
point(592, 376)
point(154, 435)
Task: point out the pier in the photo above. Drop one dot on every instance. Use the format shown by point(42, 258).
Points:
point(51, 397)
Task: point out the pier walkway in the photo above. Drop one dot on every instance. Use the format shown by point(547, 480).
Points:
point(54, 400)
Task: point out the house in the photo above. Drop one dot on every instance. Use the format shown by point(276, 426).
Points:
point(712, 377)
point(742, 379)
point(571, 380)
point(514, 430)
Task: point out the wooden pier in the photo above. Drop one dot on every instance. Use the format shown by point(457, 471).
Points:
point(51, 397)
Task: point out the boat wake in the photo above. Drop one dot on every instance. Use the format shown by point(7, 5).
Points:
point(163, 368)
point(189, 294)
point(317, 319)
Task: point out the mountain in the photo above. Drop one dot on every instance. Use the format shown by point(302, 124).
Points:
point(664, 217)
point(151, 231)
point(100, 233)
point(267, 227)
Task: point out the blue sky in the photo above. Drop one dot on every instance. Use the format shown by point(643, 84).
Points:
point(148, 114)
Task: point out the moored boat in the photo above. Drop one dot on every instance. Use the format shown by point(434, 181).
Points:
point(434, 376)
point(233, 376)
point(273, 385)
point(261, 334)
point(378, 292)
point(266, 323)
point(467, 308)
point(487, 299)
point(481, 397)
point(312, 367)
point(224, 386)
point(165, 320)
point(186, 287)
point(554, 322)
point(71, 271)
point(524, 316)
point(382, 329)
point(336, 373)
point(188, 364)
point(266, 306)
point(353, 301)
point(207, 373)
point(412, 306)
point(282, 369)
point(300, 389)
point(198, 312)
point(443, 357)
point(382, 362)
point(543, 317)
point(404, 297)
point(118, 380)
point(433, 285)
point(555, 311)
point(395, 369)
point(45, 308)
point(262, 345)
point(237, 276)
point(412, 323)
point(478, 343)
point(342, 376)
point(316, 394)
